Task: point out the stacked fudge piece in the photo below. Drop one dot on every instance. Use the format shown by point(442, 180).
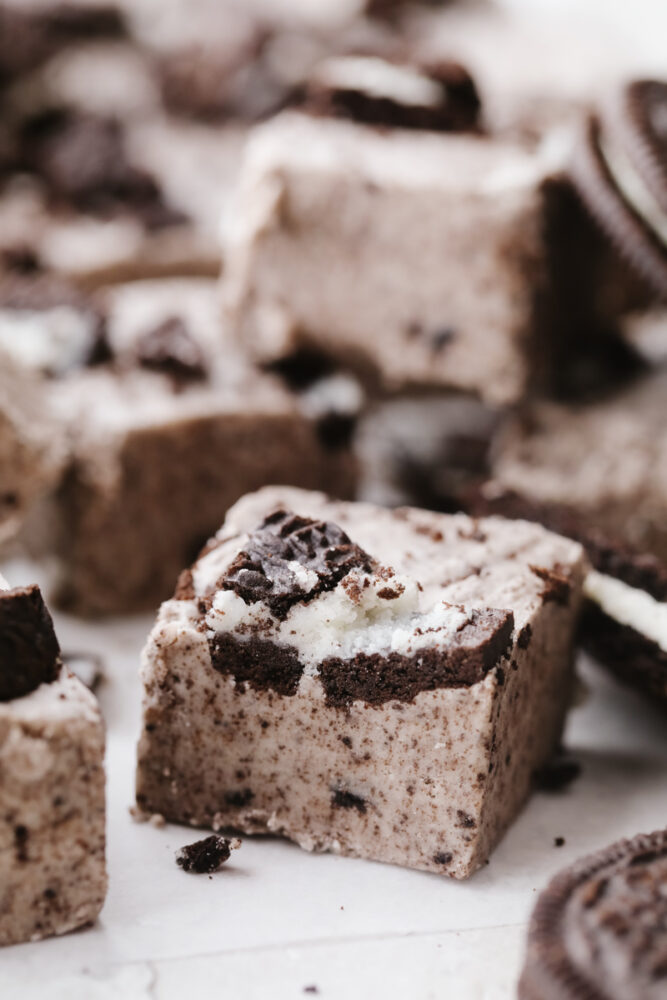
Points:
point(52, 812)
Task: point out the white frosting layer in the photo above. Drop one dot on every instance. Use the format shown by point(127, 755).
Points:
point(629, 606)
point(353, 618)
point(380, 79)
point(48, 340)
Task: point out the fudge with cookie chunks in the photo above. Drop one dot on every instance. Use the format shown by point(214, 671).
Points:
point(167, 434)
point(52, 810)
point(377, 683)
point(434, 259)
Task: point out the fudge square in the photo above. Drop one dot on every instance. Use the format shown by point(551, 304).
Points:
point(52, 813)
point(164, 436)
point(430, 258)
point(379, 683)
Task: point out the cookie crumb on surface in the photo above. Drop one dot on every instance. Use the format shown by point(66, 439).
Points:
point(206, 856)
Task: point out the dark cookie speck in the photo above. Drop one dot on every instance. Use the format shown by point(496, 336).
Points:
point(170, 349)
point(342, 799)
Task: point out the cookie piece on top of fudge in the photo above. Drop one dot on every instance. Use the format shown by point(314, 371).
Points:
point(435, 259)
point(52, 812)
point(167, 434)
point(377, 683)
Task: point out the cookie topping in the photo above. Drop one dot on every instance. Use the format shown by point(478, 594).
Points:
point(289, 559)
point(29, 650)
point(170, 349)
point(82, 159)
point(440, 97)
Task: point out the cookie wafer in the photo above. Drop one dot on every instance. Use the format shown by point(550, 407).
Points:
point(599, 929)
point(619, 170)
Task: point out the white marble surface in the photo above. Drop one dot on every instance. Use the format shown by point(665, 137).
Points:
point(276, 920)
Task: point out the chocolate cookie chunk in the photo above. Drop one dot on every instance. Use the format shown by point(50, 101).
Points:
point(440, 97)
point(599, 930)
point(620, 172)
point(29, 650)
point(265, 570)
point(205, 856)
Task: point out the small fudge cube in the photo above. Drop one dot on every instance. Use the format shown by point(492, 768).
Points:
point(52, 813)
point(373, 682)
point(429, 257)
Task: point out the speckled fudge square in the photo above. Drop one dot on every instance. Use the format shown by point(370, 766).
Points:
point(372, 682)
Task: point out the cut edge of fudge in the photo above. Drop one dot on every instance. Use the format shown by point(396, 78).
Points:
point(347, 651)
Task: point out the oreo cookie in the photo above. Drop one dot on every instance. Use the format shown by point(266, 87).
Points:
point(440, 97)
point(29, 650)
point(599, 929)
point(620, 171)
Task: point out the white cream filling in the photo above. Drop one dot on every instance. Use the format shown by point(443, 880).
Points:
point(629, 606)
point(3, 583)
point(380, 79)
point(350, 619)
point(47, 340)
point(631, 185)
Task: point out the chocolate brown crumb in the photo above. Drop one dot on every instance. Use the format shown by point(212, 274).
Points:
point(205, 856)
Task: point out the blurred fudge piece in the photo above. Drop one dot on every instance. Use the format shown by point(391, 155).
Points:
point(166, 435)
point(595, 467)
point(425, 450)
point(377, 683)
point(438, 260)
point(52, 812)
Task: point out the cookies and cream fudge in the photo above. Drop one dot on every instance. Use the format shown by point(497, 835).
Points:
point(424, 256)
point(372, 682)
point(52, 813)
point(169, 432)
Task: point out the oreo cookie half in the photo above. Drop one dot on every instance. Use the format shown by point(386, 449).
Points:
point(599, 929)
point(620, 170)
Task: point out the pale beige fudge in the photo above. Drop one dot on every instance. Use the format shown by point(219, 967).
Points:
point(343, 727)
point(32, 450)
point(600, 466)
point(423, 255)
point(157, 459)
point(52, 812)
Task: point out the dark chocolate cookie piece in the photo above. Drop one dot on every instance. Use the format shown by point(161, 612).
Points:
point(368, 89)
point(83, 161)
point(619, 171)
point(599, 929)
point(29, 650)
point(205, 856)
point(261, 572)
point(632, 657)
